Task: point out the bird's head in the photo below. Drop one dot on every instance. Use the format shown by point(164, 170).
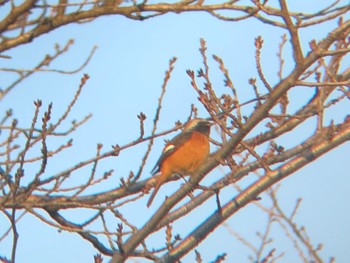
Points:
point(198, 124)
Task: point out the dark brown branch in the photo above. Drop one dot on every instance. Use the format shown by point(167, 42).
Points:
point(79, 230)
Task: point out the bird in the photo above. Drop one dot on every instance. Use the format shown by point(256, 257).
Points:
point(184, 153)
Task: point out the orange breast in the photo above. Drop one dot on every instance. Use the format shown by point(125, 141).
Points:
point(188, 157)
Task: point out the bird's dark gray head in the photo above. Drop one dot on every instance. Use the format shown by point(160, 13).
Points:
point(198, 124)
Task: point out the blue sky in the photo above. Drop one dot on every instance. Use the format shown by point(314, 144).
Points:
point(126, 74)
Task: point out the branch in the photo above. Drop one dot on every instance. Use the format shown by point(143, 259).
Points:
point(78, 229)
point(293, 31)
point(251, 192)
point(88, 11)
point(278, 91)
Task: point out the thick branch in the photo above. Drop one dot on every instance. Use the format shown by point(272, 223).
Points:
point(15, 13)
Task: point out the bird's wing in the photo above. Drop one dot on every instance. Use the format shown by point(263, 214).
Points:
point(171, 147)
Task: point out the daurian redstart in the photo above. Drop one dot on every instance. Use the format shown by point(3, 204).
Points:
point(184, 153)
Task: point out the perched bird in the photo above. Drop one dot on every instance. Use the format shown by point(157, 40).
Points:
point(184, 153)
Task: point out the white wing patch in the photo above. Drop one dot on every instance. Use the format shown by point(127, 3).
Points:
point(168, 148)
